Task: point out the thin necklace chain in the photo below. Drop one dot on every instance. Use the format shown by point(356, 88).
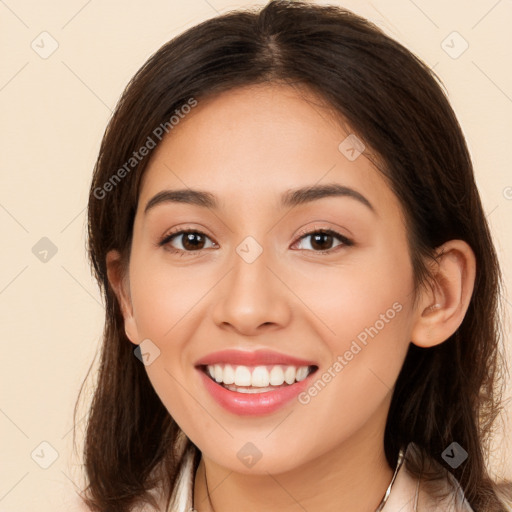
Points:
point(379, 508)
point(388, 490)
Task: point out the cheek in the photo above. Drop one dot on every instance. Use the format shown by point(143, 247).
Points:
point(167, 304)
point(163, 295)
point(365, 313)
point(366, 298)
point(366, 354)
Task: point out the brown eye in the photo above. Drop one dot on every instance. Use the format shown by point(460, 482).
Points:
point(322, 241)
point(191, 241)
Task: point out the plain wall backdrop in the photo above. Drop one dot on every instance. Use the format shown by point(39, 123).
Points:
point(64, 66)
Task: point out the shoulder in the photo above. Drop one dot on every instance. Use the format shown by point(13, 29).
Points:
point(444, 495)
point(410, 493)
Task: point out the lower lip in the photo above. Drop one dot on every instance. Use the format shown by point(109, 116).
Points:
point(251, 404)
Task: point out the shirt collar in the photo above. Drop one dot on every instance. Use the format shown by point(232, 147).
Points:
point(405, 496)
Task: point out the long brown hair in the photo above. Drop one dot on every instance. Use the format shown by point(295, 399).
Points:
point(392, 101)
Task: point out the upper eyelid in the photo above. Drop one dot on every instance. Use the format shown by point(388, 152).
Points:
point(310, 231)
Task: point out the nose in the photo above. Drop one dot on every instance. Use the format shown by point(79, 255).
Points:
point(253, 297)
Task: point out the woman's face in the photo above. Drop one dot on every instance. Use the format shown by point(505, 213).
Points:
point(251, 279)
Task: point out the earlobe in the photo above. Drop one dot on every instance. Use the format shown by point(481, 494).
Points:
point(442, 307)
point(119, 282)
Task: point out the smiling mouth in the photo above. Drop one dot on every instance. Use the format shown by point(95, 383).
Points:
point(256, 379)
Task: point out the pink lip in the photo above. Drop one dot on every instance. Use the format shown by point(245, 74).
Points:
point(245, 404)
point(256, 358)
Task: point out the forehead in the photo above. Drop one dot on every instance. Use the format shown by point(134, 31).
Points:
point(257, 142)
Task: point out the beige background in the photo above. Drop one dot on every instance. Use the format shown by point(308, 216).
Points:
point(54, 111)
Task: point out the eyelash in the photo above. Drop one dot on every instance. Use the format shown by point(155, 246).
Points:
point(167, 238)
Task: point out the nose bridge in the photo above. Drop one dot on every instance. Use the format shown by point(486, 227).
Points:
point(250, 275)
point(252, 295)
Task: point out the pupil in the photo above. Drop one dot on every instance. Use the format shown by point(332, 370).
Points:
point(189, 239)
point(320, 236)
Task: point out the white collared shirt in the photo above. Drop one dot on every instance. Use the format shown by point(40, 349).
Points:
point(406, 494)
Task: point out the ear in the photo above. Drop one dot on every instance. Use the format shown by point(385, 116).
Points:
point(118, 279)
point(441, 308)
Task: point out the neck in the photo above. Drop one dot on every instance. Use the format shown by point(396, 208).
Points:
point(354, 476)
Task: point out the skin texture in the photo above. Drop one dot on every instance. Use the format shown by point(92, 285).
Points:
point(247, 147)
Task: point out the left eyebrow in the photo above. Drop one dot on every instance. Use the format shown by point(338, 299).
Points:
point(290, 198)
point(303, 195)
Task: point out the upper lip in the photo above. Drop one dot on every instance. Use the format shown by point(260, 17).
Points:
point(253, 358)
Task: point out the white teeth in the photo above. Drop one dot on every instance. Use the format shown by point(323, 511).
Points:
point(228, 375)
point(242, 376)
point(289, 375)
point(257, 377)
point(260, 377)
point(302, 373)
point(276, 376)
point(218, 372)
point(249, 390)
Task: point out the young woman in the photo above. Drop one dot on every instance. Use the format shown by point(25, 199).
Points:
point(302, 294)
